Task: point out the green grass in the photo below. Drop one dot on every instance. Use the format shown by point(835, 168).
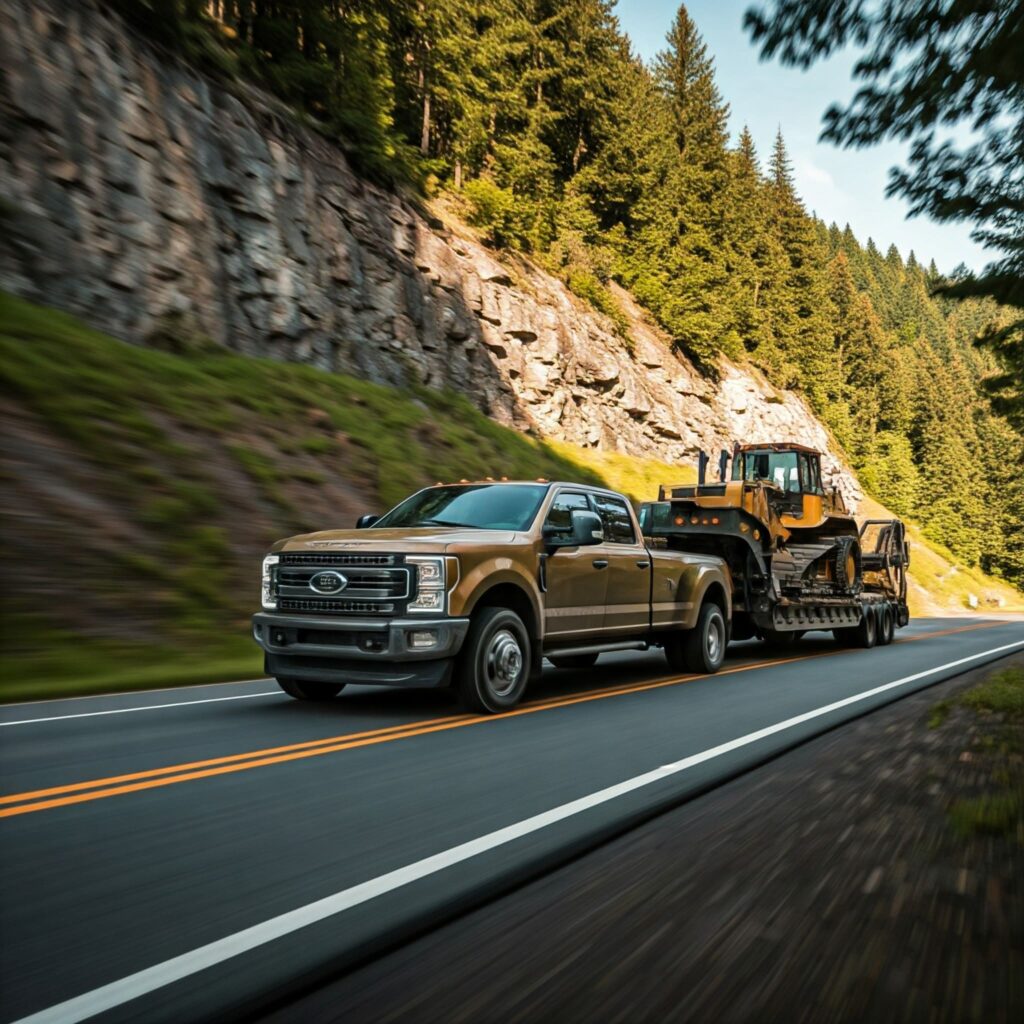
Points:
point(90, 669)
point(993, 814)
point(1002, 693)
point(147, 427)
point(1000, 811)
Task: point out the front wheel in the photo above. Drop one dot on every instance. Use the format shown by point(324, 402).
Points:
point(701, 649)
point(302, 689)
point(495, 662)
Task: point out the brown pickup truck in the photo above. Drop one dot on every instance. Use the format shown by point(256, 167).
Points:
point(473, 584)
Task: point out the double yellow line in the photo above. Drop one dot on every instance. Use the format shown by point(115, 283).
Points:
point(117, 785)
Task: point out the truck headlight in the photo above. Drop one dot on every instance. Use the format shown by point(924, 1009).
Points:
point(431, 583)
point(269, 595)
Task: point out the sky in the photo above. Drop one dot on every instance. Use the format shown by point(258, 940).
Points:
point(842, 185)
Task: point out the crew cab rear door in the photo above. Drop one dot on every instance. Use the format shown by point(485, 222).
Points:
point(577, 577)
point(628, 598)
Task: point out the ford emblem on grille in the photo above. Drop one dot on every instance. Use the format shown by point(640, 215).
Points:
point(329, 582)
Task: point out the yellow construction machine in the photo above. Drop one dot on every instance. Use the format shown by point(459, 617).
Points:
point(798, 558)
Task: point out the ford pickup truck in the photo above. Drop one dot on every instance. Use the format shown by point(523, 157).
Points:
point(472, 585)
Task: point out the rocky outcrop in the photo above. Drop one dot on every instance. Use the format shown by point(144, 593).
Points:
point(137, 193)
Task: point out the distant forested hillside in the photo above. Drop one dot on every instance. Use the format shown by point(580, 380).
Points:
point(555, 139)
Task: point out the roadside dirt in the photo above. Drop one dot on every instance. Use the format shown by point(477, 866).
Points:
point(828, 885)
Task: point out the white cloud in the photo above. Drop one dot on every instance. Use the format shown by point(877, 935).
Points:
point(810, 172)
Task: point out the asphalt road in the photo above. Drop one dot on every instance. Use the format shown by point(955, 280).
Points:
point(192, 854)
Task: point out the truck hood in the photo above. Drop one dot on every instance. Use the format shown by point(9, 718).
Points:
point(422, 540)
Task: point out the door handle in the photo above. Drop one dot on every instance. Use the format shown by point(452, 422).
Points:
point(600, 563)
point(643, 565)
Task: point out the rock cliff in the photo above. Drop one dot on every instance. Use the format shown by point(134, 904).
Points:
point(135, 192)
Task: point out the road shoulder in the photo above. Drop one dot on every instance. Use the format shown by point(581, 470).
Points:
point(831, 883)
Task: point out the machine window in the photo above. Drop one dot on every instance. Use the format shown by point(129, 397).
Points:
point(562, 508)
point(615, 517)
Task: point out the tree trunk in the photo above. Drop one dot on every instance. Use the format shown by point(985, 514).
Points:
point(425, 133)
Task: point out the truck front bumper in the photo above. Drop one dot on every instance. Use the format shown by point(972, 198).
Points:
point(359, 650)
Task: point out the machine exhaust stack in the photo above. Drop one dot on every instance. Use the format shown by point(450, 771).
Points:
point(723, 465)
point(702, 467)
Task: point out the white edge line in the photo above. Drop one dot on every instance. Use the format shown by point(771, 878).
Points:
point(141, 983)
point(133, 693)
point(147, 707)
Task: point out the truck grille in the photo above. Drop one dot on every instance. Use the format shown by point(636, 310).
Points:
point(327, 604)
point(329, 558)
point(367, 584)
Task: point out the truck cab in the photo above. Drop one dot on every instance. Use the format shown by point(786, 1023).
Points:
point(472, 584)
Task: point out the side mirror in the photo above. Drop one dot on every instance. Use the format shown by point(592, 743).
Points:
point(586, 529)
point(363, 522)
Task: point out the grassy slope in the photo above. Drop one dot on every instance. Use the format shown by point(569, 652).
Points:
point(175, 474)
point(142, 487)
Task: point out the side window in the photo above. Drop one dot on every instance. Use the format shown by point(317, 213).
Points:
point(618, 526)
point(560, 513)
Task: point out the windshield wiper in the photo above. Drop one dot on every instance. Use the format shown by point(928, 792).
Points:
point(445, 522)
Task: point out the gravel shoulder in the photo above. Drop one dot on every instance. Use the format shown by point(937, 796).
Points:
point(868, 874)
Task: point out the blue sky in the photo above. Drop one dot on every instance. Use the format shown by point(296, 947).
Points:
point(844, 185)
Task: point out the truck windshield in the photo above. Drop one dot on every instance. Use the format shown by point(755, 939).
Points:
point(779, 468)
point(479, 506)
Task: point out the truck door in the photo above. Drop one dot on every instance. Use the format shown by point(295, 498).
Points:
point(627, 602)
point(576, 579)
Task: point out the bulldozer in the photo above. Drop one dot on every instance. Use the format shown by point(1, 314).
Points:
point(798, 557)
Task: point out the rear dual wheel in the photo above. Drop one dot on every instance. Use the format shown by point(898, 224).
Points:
point(701, 649)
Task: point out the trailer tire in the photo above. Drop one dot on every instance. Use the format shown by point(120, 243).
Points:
point(886, 625)
point(866, 634)
point(702, 649)
point(303, 689)
point(784, 640)
point(494, 664)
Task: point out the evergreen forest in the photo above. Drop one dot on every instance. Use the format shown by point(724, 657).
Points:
point(553, 138)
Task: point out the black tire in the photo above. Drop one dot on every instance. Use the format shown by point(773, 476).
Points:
point(886, 625)
point(494, 664)
point(303, 689)
point(848, 565)
point(574, 660)
point(785, 640)
point(866, 633)
point(701, 649)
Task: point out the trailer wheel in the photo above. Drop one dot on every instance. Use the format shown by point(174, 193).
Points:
point(303, 689)
point(701, 649)
point(866, 634)
point(784, 640)
point(886, 625)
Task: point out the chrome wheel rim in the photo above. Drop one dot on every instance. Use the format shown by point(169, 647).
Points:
point(714, 641)
point(503, 662)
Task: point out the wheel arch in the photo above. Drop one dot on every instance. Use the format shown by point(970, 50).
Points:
point(512, 595)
